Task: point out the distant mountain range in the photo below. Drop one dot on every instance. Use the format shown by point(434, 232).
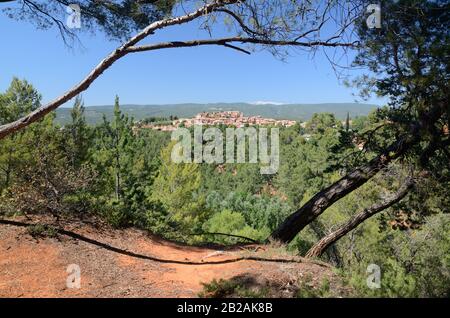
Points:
point(301, 112)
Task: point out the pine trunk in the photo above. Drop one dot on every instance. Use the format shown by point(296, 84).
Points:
point(321, 246)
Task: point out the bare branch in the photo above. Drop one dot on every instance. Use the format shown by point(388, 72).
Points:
point(8, 129)
point(241, 23)
point(224, 41)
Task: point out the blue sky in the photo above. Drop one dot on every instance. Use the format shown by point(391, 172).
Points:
point(202, 75)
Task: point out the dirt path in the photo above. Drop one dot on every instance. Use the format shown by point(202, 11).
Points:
point(130, 263)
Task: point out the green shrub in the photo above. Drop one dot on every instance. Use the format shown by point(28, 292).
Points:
point(306, 289)
point(42, 230)
point(234, 287)
point(230, 222)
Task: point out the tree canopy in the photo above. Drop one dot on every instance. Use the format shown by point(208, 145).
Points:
point(116, 19)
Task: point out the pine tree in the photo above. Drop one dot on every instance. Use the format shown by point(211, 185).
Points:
point(177, 188)
point(117, 125)
point(114, 151)
point(347, 122)
point(19, 99)
point(78, 141)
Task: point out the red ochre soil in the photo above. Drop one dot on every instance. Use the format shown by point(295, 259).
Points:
point(115, 263)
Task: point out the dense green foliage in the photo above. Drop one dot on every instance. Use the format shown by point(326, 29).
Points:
point(148, 113)
point(116, 19)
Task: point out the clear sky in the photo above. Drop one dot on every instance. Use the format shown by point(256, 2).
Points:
point(202, 75)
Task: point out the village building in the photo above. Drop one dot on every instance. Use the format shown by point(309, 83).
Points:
point(231, 118)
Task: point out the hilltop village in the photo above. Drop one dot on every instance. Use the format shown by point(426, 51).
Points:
point(228, 118)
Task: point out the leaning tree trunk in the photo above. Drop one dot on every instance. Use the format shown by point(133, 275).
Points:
point(332, 253)
point(287, 231)
point(118, 53)
point(321, 246)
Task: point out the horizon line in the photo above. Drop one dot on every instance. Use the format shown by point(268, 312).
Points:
point(216, 103)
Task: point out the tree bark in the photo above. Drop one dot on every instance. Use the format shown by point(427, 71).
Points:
point(322, 245)
point(287, 231)
point(332, 253)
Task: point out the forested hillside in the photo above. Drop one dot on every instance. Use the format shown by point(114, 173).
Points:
point(303, 112)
